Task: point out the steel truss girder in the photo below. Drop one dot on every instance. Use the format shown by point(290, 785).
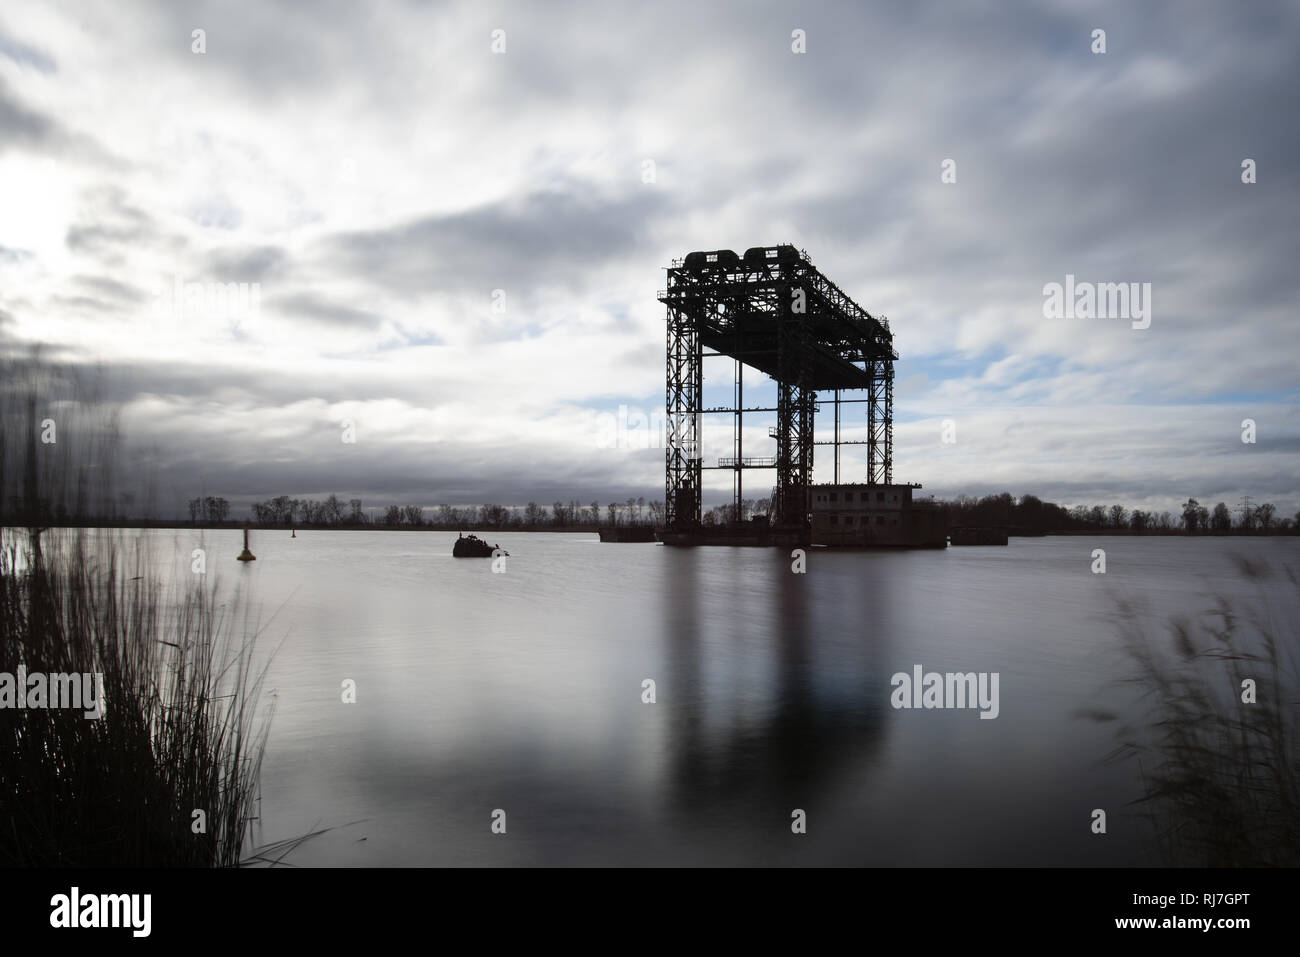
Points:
point(736, 308)
point(880, 423)
point(682, 438)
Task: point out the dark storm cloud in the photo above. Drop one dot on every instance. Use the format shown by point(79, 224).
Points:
point(279, 52)
point(25, 129)
point(1071, 153)
point(85, 305)
point(550, 237)
point(112, 289)
point(100, 295)
point(246, 263)
point(315, 308)
point(249, 389)
point(110, 226)
point(451, 473)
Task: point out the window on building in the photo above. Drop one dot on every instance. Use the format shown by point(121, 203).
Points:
point(880, 496)
point(880, 520)
point(835, 519)
point(848, 498)
point(832, 496)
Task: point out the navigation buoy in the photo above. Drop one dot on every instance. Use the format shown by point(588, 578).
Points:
point(246, 555)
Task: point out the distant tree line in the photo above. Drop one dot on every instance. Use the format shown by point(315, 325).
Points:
point(209, 509)
point(332, 512)
point(1027, 515)
point(726, 514)
point(1031, 514)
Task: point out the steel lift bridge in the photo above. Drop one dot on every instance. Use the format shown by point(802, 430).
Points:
point(770, 309)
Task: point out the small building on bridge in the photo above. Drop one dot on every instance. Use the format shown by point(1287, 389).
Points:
point(861, 515)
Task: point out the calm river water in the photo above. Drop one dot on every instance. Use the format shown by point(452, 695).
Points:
point(522, 691)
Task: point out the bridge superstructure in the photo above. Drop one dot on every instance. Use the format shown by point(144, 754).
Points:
point(773, 310)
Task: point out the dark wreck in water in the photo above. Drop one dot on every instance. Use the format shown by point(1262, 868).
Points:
point(471, 546)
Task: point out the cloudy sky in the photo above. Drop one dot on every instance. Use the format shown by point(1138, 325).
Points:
point(456, 248)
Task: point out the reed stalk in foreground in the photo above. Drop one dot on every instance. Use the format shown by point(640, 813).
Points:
point(1220, 775)
point(180, 732)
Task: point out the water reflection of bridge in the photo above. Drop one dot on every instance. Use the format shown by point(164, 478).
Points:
point(817, 723)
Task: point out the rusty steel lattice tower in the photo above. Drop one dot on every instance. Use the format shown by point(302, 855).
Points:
point(774, 311)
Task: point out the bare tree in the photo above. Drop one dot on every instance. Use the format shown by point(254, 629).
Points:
point(1221, 519)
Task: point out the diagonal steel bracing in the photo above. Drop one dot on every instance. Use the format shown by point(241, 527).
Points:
point(773, 311)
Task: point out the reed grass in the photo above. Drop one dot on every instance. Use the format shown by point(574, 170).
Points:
point(1220, 777)
point(182, 728)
